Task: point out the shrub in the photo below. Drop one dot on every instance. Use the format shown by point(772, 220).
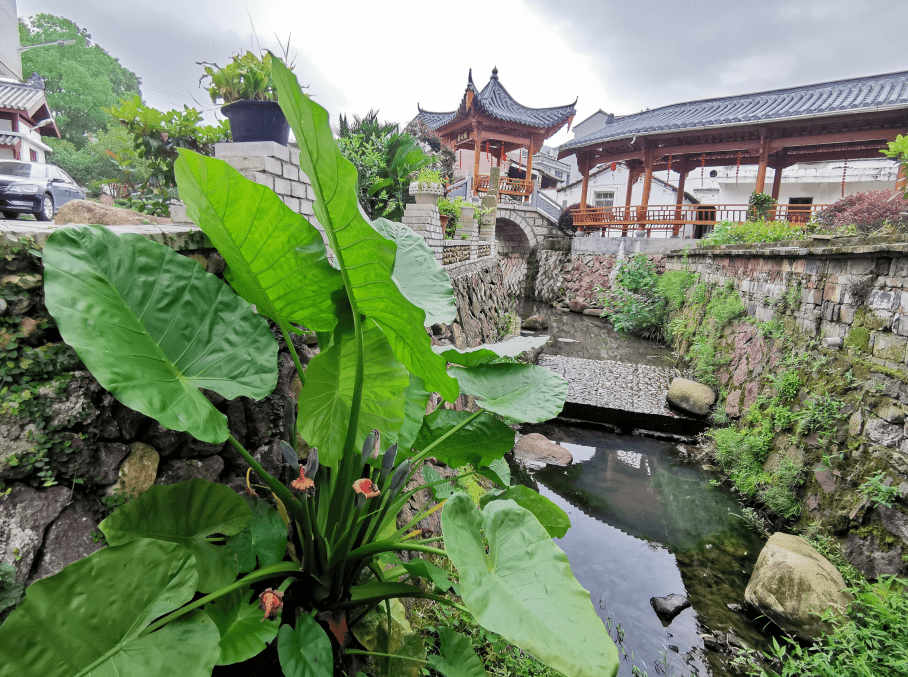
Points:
point(866, 211)
point(759, 206)
point(727, 232)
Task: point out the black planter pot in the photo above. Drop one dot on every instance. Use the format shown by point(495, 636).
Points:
point(257, 121)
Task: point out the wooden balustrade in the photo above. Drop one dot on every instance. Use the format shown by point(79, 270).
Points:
point(674, 217)
point(506, 186)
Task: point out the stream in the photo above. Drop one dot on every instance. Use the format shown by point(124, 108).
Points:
point(647, 522)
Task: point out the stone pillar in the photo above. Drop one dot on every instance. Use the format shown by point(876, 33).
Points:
point(490, 199)
point(425, 220)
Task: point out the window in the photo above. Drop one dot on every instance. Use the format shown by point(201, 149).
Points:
point(604, 198)
point(33, 154)
point(559, 174)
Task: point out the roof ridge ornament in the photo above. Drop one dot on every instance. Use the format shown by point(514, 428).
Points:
point(494, 73)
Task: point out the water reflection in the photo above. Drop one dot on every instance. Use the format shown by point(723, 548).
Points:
point(647, 525)
point(575, 335)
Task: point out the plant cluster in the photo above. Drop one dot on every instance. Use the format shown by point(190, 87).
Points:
point(246, 77)
point(760, 206)
point(870, 640)
point(451, 209)
point(385, 159)
point(898, 150)
point(878, 493)
point(197, 575)
point(866, 212)
point(157, 139)
point(728, 232)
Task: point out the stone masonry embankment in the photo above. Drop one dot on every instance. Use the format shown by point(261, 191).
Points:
point(66, 445)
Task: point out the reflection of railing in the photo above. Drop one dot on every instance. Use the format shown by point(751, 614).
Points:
point(674, 217)
point(506, 185)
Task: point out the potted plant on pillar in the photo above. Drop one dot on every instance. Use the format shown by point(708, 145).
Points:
point(246, 87)
point(426, 188)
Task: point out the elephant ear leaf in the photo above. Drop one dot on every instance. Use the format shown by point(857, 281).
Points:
point(88, 619)
point(365, 258)
point(275, 258)
point(489, 352)
point(520, 392)
point(523, 587)
point(153, 327)
point(457, 658)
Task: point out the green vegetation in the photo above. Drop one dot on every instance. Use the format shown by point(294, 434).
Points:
point(759, 206)
point(246, 77)
point(898, 150)
point(451, 209)
point(727, 232)
point(198, 553)
point(79, 79)
point(877, 492)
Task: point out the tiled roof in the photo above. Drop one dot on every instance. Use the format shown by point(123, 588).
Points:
point(19, 96)
point(496, 102)
point(8, 140)
point(827, 98)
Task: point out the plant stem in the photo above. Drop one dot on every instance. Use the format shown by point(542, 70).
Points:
point(261, 574)
point(384, 546)
point(296, 359)
point(420, 595)
point(282, 492)
point(359, 652)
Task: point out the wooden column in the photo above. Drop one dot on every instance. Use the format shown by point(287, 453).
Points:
point(764, 160)
point(633, 173)
point(530, 150)
point(682, 179)
point(584, 167)
point(647, 184)
point(477, 149)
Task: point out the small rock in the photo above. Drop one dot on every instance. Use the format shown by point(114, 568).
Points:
point(25, 514)
point(536, 449)
point(164, 440)
point(138, 471)
point(870, 559)
point(669, 606)
point(535, 323)
point(880, 432)
point(185, 469)
point(23, 282)
point(593, 312)
point(577, 306)
point(104, 469)
point(3, 307)
point(67, 540)
point(691, 397)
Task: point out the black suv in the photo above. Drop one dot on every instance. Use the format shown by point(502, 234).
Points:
point(35, 188)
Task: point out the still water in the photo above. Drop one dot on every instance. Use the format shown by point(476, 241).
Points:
point(647, 523)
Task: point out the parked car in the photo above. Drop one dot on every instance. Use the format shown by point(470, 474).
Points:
point(35, 188)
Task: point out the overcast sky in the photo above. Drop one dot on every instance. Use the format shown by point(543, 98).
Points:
point(617, 55)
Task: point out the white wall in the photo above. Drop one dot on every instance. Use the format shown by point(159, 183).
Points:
point(10, 63)
point(616, 181)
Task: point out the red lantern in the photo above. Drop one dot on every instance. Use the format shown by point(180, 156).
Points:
point(614, 166)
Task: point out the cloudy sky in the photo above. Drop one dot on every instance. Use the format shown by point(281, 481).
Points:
point(616, 55)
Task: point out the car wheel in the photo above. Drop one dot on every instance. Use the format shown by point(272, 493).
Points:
point(10, 215)
point(46, 212)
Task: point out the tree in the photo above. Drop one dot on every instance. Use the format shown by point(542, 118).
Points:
point(102, 159)
point(79, 79)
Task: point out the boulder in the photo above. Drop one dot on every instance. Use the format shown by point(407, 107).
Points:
point(593, 312)
point(535, 323)
point(866, 555)
point(185, 469)
point(577, 306)
point(138, 471)
point(792, 585)
point(691, 397)
point(68, 539)
point(535, 450)
point(84, 211)
point(25, 514)
point(668, 607)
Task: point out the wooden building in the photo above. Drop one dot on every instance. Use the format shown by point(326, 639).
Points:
point(842, 120)
point(491, 121)
point(24, 119)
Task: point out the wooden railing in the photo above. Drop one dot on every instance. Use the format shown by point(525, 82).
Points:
point(673, 217)
point(506, 186)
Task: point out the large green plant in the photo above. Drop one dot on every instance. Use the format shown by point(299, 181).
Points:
point(176, 587)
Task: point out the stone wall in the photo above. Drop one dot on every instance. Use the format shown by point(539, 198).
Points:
point(855, 289)
point(67, 448)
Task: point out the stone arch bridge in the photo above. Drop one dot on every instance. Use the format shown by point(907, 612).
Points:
point(520, 230)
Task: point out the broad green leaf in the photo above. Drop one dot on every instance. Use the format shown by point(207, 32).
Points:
point(305, 651)
point(373, 633)
point(489, 352)
point(430, 572)
point(87, 620)
point(416, 397)
point(550, 516)
point(325, 400)
point(364, 256)
point(417, 274)
point(477, 443)
point(457, 659)
point(186, 513)
point(153, 327)
point(263, 539)
point(239, 622)
point(498, 471)
point(520, 392)
point(439, 491)
point(275, 258)
point(523, 587)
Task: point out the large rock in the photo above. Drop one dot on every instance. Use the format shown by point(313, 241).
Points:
point(792, 584)
point(866, 555)
point(535, 323)
point(83, 211)
point(535, 450)
point(138, 471)
point(25, 514)
point(691, 397)
point(185, 469)
point(68, 539)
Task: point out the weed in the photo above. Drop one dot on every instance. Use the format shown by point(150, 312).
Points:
point(877, 492)
point(787, 385)
point(821, 415)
